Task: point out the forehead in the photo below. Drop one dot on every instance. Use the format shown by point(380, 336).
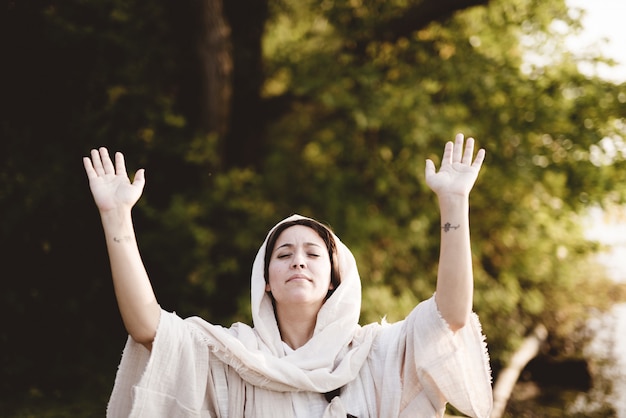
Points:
point(299, 234)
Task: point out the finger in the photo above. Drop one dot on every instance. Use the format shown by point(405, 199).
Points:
point(120, 165)
point(480, 157)
point(458, 148)
point(96, 161)
point(430, 168)
point(469, 151)
point(447, 153)
point(91, 173)
point(107, 164)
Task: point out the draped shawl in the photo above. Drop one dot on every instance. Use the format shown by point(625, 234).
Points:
point(409, 368)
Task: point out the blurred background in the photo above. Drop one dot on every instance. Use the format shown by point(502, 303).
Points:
point(244, 112)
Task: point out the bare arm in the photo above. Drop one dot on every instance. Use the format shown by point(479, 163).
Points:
point(115, 196)
point(452, 185)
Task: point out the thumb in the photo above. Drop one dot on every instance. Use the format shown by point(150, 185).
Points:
point(430, 168)
point(140, 178)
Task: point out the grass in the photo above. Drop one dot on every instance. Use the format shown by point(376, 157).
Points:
point(82, 399)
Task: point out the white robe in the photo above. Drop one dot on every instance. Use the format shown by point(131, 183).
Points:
point(407, 369)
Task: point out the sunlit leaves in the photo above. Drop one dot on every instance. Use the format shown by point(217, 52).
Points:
point(371, 120)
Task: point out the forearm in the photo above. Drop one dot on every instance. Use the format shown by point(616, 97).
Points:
point(455, 282)
point(135, 296)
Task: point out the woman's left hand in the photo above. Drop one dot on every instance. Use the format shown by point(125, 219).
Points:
point(458, 172)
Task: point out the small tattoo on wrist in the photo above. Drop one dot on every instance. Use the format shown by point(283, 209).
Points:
point(125, 238)
point(448, 226)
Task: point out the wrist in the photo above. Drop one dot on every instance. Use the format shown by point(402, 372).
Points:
point(453, 200)
point(454, 209)
point(116, 218)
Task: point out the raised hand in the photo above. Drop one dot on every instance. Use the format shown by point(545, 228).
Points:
point(110, 186)
point(458, 172)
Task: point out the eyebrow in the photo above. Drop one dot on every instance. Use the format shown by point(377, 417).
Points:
point(306, 244)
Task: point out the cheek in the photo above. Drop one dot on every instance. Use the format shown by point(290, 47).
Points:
point(273, 271)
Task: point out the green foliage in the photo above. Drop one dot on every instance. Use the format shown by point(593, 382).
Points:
point(355, 111)
point(365, 118)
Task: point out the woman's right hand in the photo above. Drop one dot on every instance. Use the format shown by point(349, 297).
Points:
point(110, 186)
point(115, 196)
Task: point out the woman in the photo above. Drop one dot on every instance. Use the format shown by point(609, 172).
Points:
point(306, 355)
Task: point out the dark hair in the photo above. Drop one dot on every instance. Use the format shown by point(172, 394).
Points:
point(323, 231)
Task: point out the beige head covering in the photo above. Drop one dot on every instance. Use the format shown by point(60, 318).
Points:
point(331, 359)
point(340, 311)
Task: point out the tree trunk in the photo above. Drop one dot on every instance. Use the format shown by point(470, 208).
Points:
point(216, 63)
point(244, 143)
point(508, 376)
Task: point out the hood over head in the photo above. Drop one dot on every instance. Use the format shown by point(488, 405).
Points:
point(340, 311)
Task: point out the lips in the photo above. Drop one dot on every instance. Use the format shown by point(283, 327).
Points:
point(297, 277)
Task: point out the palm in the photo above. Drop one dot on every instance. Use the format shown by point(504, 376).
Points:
point(110, 186)
point(458, 172)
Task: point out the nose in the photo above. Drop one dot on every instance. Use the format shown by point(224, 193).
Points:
point(298, 260)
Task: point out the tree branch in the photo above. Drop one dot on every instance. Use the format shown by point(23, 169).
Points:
point(508, 376)
point(419, 16)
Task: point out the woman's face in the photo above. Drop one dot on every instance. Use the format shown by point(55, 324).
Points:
point(299, 268)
